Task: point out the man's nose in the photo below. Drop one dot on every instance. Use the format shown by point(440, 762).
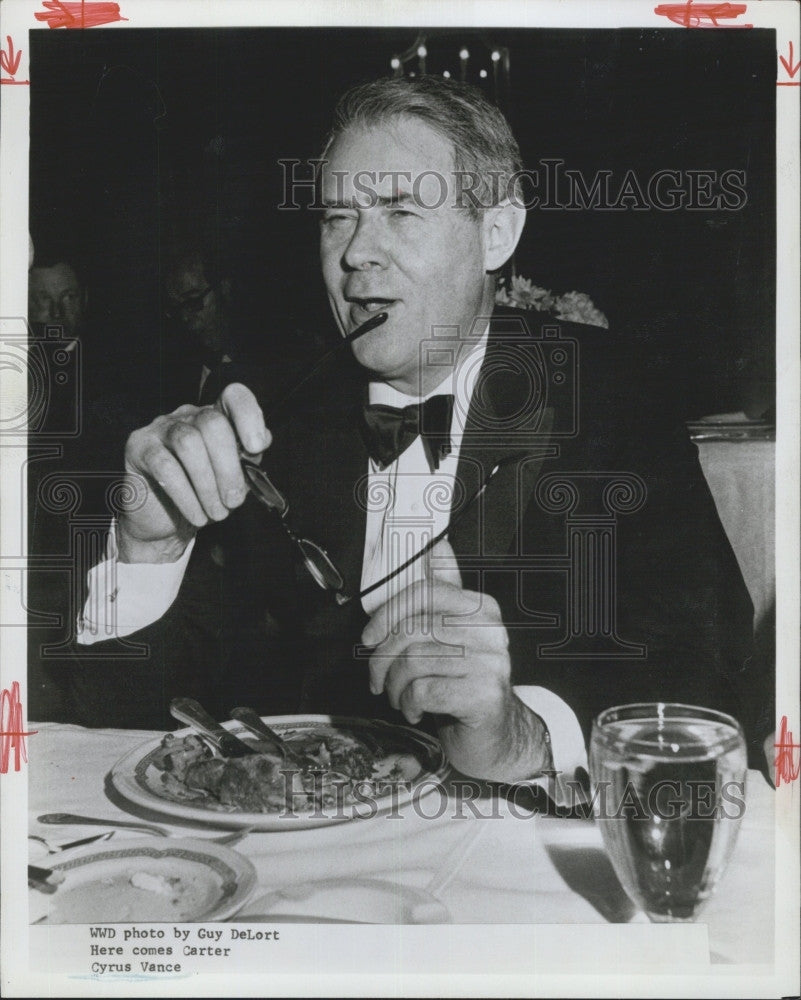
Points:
point(366, 246)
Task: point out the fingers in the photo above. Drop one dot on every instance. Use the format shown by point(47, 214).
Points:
point(418, 662)
point(221, 446)
point(464, 646)
point(480, 633)
point(467, 688)
point(239, 405)
point(436, 599)
point(444, 567)
point(193, 455)
point(164, 469)
point(425, 665)
point(187, 443)
point(462, 697)
point(419, 613)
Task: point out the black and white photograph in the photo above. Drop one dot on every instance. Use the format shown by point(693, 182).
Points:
point(399, 449)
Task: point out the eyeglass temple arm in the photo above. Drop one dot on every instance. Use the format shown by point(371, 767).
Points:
point(360, 331)
point(343, 599)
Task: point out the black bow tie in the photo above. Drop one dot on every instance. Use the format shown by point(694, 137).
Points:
point(388, 431)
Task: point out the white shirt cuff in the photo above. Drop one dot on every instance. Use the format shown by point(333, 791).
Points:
point(125, 597)
point(567, 742)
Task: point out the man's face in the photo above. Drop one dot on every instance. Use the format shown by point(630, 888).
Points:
point(424, 266)
point(195, 304)
point(55, 296)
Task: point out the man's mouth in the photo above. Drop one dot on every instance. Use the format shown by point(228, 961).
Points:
point(363, 307)
point(370, 305)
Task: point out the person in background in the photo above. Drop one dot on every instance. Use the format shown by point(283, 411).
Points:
point(56, 294)
point(198, 304)
point(57, 316)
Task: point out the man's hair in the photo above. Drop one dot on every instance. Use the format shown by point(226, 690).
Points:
point(485, 152)
point(48, 254)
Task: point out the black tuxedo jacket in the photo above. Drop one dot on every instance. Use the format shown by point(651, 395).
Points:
point(601, 543)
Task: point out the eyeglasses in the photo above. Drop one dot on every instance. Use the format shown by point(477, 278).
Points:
point(316, 559)
point(191, 305)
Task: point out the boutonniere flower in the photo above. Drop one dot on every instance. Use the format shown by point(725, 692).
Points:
point(574, 307)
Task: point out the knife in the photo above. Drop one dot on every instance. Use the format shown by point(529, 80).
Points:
point(72, 843)
point(250, 720)
point(192, 712)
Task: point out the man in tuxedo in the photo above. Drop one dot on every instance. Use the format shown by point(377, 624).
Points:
point(579, 561)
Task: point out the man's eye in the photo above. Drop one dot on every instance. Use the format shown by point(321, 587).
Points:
point(336, 219)
point(403, 213)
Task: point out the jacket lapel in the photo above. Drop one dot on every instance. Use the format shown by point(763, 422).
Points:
point(508, 421)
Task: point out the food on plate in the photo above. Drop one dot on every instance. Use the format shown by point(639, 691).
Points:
point(337, 764)
point(161, 884)
point(402, 765)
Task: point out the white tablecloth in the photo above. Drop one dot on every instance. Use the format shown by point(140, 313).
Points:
point(511, 867)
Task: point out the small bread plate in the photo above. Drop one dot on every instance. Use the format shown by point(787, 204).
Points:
point(150, 881)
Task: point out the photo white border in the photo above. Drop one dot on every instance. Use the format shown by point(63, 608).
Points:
point(18, 978)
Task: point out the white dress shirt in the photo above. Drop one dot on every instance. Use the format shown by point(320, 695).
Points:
point(407, 505)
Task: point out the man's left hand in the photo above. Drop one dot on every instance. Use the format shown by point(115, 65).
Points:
point(439, 648)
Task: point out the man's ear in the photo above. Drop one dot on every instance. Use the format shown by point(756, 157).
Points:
point(503, 225)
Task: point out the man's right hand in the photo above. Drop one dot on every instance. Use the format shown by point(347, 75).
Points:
point(190, 462)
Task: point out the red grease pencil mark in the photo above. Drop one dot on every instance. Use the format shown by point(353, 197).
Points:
point(791, 69)
point(80, 14)
point(702, 15)
point(9, 62)
point(787, 763)
point(12, 733)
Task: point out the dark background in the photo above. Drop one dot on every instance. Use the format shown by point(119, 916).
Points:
point(133, 130)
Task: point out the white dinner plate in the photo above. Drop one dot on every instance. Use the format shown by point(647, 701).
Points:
point(149, 881)
point(416, 756)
